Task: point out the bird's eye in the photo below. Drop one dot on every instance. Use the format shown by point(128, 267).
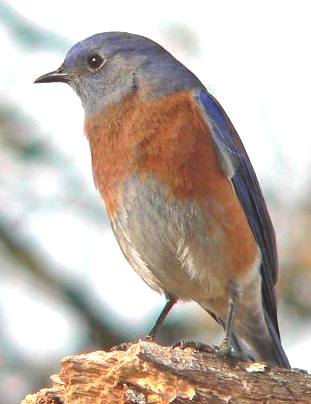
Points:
point(95, 62)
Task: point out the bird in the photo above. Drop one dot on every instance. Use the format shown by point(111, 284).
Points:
point(179, 189)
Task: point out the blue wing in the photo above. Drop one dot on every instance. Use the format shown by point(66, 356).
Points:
point(239, 169)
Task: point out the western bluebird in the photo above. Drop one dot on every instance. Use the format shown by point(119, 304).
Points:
point(180, 191)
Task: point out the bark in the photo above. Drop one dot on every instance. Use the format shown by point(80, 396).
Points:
point(148, 373)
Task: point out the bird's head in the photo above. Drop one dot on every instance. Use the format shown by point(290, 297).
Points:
point(106, 68)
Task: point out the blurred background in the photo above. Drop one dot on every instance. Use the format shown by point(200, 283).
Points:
point(65, 286)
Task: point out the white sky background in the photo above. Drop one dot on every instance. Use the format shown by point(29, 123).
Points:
point(253, 55)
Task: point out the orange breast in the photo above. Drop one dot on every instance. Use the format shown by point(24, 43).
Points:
point(168, 139)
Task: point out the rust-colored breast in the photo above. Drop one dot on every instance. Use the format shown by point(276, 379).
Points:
point(168, 139)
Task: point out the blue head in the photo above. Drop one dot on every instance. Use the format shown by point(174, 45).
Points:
point(108, 67)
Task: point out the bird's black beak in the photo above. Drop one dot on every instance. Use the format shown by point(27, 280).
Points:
point(58, 75)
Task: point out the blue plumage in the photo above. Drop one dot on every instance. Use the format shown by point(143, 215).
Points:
point(248, 191)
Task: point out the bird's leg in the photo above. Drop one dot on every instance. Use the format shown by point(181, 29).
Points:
point(151, 335)
point(225, 348)
point(167, 308)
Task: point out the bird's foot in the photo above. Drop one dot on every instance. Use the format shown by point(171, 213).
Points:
point(224, 350)
point(198, 346)
point(124, 346)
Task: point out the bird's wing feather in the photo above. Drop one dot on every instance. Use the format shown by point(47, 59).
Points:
point(239, 170)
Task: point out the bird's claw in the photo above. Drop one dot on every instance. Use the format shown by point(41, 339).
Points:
point(198, 346)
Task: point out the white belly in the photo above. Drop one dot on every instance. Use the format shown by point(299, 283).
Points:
point(173, 246)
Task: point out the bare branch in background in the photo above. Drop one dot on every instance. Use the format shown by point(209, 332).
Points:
point(97, 319)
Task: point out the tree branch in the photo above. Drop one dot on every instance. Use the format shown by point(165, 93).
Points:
point(149, 373)
point(33, 261)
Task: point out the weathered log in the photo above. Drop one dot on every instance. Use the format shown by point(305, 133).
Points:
point(149, 373)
